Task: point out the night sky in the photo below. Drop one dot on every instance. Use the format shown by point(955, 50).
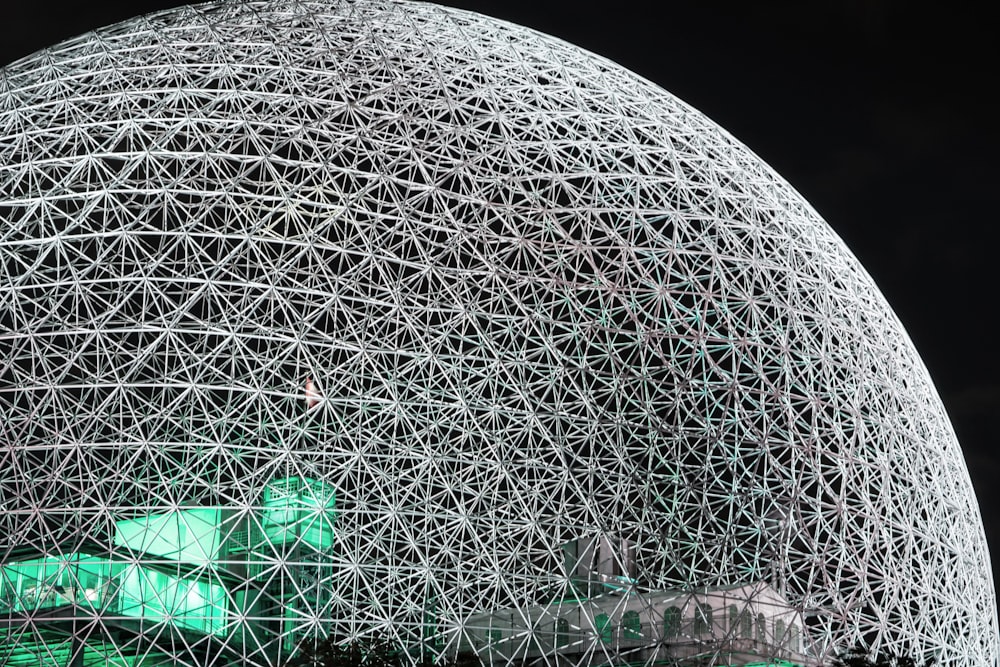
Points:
point(879, 113)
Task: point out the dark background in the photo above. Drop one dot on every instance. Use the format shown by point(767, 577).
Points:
point(879, 112)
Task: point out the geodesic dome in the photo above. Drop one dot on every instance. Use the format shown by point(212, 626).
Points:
point(325, 318)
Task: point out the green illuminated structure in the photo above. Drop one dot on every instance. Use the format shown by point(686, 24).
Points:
point(378, 319)
point(199, 574)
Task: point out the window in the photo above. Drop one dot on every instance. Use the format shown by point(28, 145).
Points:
point(793, 638)
point(702, 618)
point(734, 619)
point(671, 623)
point(631, 625)
point(746, 621)
point(761, 628)
point(562, 633)
point(779, 632)
point(604, 629)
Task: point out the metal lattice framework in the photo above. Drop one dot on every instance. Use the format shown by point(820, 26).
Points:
point(537, 302)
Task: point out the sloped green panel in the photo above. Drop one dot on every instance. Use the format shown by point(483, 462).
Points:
point(190, 536)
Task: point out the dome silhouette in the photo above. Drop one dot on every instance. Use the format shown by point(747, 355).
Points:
point(384, 319)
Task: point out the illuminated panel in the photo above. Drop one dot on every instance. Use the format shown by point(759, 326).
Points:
point(189, 536)
point(299, 511)
point(55, 581)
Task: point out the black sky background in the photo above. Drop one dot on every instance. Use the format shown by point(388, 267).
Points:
point(881, 113)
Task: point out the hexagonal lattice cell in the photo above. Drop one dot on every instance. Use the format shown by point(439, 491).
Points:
point(353, 319)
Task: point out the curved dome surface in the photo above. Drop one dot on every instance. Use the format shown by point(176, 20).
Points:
point(356, 318)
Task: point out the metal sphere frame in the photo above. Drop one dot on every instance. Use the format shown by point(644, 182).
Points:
point(352, 319)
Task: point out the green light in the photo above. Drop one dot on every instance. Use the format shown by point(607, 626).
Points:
point(177, 567)
point(188, 603)
point(297, 510)
point(188, 536)
point(54, 581)
point(115, 588)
